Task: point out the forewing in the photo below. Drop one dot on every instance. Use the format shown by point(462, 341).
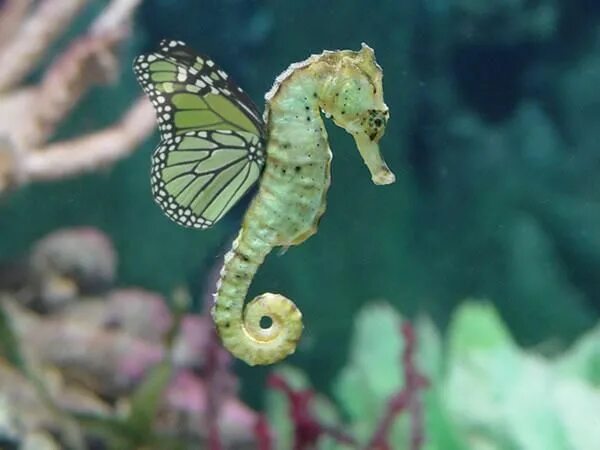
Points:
point(191, 93)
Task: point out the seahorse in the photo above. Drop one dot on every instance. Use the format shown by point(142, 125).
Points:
point(213, 146)
point(347, 87)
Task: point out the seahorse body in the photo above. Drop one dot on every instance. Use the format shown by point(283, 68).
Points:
point(347, 86)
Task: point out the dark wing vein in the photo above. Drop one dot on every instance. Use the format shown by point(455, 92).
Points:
point(249, 167)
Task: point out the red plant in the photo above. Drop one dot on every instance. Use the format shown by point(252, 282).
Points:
point(405, 400)
point(264, 437)
point(308, 428)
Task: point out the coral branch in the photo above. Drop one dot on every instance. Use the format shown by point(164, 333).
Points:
point(12, 14)
point(116, 15)
point(92, 151)
point(30, 115)
point(38, 32)
point(87, 61)
point(84, 154)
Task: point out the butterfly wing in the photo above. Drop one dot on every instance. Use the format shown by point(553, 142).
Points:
point(178, 51)
point(190, 92)
point(199, 176)
point(212, 136)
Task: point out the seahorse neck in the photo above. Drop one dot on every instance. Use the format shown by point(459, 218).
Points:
point(293, 114)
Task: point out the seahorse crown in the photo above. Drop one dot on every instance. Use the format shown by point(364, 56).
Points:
point(350, 91)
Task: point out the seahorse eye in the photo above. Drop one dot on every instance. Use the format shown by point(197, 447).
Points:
point(377, 120)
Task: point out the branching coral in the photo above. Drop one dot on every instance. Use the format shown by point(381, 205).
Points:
point(30, 114)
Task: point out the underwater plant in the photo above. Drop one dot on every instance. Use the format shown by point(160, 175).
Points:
point(214, 146)
point(483, 391)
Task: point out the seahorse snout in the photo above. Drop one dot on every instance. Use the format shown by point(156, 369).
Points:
point(369, 150)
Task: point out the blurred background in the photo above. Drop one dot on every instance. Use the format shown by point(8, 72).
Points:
point(491, 230)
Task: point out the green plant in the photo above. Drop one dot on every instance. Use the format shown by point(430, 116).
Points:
point(485, 392)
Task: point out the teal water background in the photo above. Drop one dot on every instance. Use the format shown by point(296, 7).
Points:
point(493, 138)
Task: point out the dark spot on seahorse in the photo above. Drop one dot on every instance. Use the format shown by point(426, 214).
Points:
point(307, 107)
point(242, 256)
point(307, 119)
point(314, 94)
point(220, 307)
point(297, 169)
point(343, 112)
point(227, 324)
point(286, 145)
point(377, 122)
point(283, 170)
point(372, 135)
point(337, 94)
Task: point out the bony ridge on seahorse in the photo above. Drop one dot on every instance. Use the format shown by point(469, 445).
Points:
point(347, 86)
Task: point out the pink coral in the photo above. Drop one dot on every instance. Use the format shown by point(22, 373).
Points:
point(31, 113)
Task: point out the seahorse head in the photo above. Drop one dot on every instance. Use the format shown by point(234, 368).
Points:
point(354, 98)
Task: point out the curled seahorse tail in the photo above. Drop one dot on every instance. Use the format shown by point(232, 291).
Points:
point(279, 339)
point(240, 328)
point(249, 341)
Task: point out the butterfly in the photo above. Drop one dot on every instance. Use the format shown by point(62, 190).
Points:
point(212, 147)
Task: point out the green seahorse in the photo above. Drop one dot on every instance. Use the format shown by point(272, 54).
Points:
point(291, 143)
